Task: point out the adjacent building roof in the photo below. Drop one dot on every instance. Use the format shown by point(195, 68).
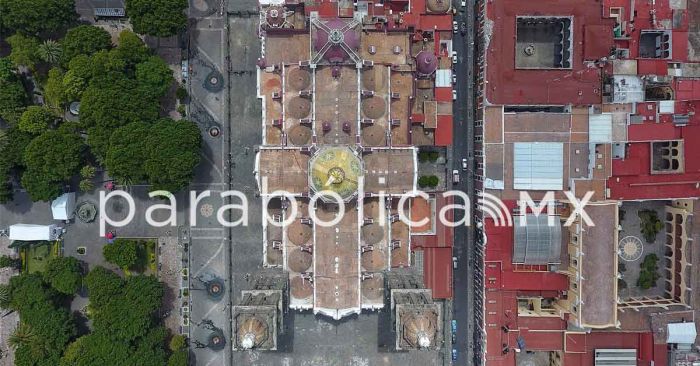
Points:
point(538, 165)
point(683, 333)
point(598, 287)
point(537, 242)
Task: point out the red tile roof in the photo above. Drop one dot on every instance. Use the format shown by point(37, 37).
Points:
point(437, 271)
point(580, 85)
point(443, 132)
point(444, 235)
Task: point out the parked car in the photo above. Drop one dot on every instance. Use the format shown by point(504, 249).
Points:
point(454, 262)
point(454, 326)
point(455, 26)
point(464, 4)
point(464, 164)
point(454, 79)
point(455, 176)
point(454, 94)
point(454, 355)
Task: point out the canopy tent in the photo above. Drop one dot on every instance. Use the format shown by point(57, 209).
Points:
point(63, 207)
point(27, 232)
point(681, 333)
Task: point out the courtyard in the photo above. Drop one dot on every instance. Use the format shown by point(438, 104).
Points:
point(634, 247)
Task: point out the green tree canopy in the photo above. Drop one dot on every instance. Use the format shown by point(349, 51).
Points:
point(35, 120)
point(36, 16)
point(96, 348)
point(51, 160)
point(25, 50)
point(122, 252)
point(84, 40)
point(63, 274)
point(163, 154)
point(105, 107)
point(161, 18)
point(130, 315)
point(173, 154)
point(8, 262)
point(28, 291)
point(131, 49)
point(103, 285)
point(54, 93)
point(154, 76)
point(7, 69)
point(179, 358)
point(13, 99)
point(11, 155)
point(128, 148)
point(52, 325)
point(49, 51)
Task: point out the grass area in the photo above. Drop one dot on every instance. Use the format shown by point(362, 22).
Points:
point(36, 257)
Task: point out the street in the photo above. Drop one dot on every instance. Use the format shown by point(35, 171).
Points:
point(463, 147)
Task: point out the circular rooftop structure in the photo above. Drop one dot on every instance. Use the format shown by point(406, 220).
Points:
point(300, 288)
point(299, 79)
point(335, 169)
point(336, 32)
point(438, 6)
point(418, 330)
point(426, 62)
point(252, 332)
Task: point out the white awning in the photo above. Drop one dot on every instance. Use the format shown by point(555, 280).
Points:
point(28, 232)
point(63, 207)
point(443, 78)
point(681, 333)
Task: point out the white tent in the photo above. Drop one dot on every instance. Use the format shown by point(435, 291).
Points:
point(681, 333)
point(27, 232)
point(63, 207)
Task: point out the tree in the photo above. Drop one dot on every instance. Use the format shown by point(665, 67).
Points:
point(154, 76)
point(130, 315)
point(7, 69)
point(25, 50)
point(28, 291)
point(11, 155)
point(63, 274)
point(122, 253)
point(36, 120)
point(161, 18)
point(177, 342)
point(36, 16)
point(127, 152)
point(103, 286)
point(428, 181)
point(52, 325)
point(8, 262)
point(54, 93)
point(51, 160)
point(23, 335)
point(131, 49)
point(97, 348)
point(49, 51)
point(13, 99)
point(174, 153)
point(106, 107)
point(179, 358)
point(84, 40)
point(87, 173)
